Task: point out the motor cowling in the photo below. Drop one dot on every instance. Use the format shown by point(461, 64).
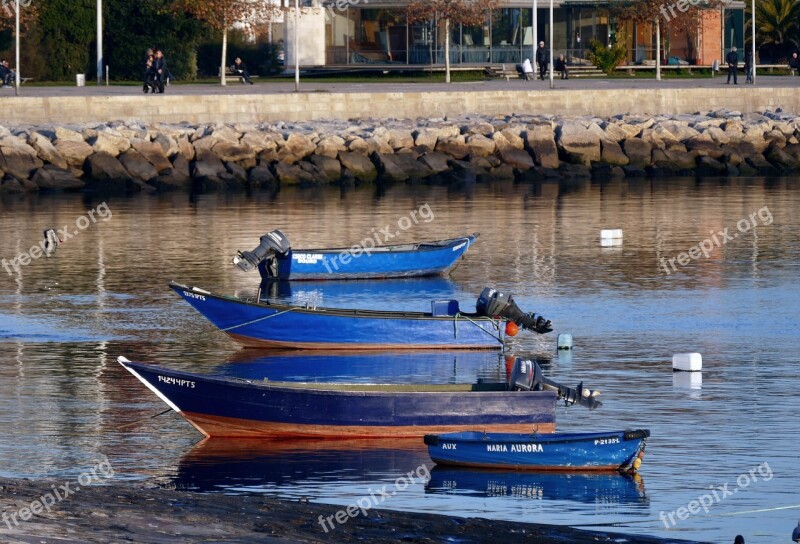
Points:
point(525, 376)
point(274, 242)
point(493, 303)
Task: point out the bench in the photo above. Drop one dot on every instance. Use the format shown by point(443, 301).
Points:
point(229, 74)
point(630, 69)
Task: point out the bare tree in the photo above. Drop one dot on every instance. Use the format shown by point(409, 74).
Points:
point(223, 14)
point(465, 12)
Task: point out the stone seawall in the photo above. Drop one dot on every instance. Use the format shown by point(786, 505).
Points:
point(134, 156)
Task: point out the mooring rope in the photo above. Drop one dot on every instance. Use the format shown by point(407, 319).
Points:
point(257, 320)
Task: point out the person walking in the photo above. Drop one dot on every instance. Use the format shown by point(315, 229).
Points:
point(543, 60)
point(159, 70)
point(148, 70)
point(732, 58)
point(748, 66)
point(240, 69)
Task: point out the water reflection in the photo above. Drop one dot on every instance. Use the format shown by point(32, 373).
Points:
point(606, 491)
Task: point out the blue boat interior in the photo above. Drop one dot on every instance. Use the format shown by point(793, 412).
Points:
point(444, 307)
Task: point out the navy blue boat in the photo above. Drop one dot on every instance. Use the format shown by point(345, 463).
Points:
point(614, 450)
point(276, 260)
point(245, 408)
point(258, 324)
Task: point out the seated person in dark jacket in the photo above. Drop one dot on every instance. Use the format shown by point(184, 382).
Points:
point(6, 74)
point(561, 67)
point(794, 63)
point(240, 69)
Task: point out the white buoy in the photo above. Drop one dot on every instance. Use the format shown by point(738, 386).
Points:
point(688, 380)
point(613, 234)
point(687, 362)
point(564, 341)
point(610, 242)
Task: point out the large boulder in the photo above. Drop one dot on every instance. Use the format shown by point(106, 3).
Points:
point(437, 162)
point(480, 146)
point(229, 152)
point(207, 166)
point(400, 139)
point(542, 144)
point(73, 151)
point(137, 166)
point(46, 151)
point(638, 151)
point(68, 135)
point(260, 176)
point(111, 143)
point(292, 174)
point(612, 153)
point(400, 167)
point(154, 154)
point(330, 146)
point(53, 177)
point(329, 168)
point(299, 145)
point(104, 167)
point(19, 159)
point(455, 146)
point(518, 159)
point(577, 143)
point(359, 166)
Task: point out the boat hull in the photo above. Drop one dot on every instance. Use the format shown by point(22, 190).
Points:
point(224, 407)
point(605, 451)
point(405, 261)
point(264, 325)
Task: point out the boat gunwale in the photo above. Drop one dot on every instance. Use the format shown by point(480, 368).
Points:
point(320, 388)
point(551, 438)
point(337, 312)
point(428, 245)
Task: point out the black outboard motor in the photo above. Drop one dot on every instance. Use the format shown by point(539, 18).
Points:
point(493, 303)
point(527, 376)
point(272, 242)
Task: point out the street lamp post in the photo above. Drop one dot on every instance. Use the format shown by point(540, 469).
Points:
point(296, 46)
point(16, 48)
point(99, 42)
point(551, 43)
point(534, 39)
point(753, 45)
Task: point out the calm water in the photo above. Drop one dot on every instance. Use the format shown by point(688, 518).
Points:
point(64, 320)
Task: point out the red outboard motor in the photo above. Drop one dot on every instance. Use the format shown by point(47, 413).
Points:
point(493, 303)
point(272, 242)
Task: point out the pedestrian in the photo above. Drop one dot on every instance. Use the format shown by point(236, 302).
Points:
point(147, 75)
point(732, 58)
point(527, 70)
point(160, 72)
point(748, 66)
point(542, 59)
point(561, 67)
point(794, 63)
point(240, 69)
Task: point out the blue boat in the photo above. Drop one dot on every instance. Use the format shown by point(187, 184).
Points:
point(258, 324)
point(277, 260)
point(231, 407)
point(614, 450)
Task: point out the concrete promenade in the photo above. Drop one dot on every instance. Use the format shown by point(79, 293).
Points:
point(277, 101)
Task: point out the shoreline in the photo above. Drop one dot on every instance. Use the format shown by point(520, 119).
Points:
point(128, 157)
point(142, 513)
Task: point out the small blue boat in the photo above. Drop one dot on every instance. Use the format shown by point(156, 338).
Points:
point(277, 260)
point(614, 450)
point(257, 324)
point(232, 407)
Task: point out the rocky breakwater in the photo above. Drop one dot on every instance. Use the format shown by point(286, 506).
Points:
point(132, 156)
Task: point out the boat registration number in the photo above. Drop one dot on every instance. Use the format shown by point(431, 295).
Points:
point(603, 441)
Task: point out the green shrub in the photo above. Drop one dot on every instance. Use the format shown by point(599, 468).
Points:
point(606, 57)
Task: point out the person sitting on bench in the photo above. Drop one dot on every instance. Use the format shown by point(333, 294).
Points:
point(7, 75)
point(240, 69)
point(561, 67)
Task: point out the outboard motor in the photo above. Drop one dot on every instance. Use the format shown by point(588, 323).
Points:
point(273, 242)
point(527, 376)
point(493, 303)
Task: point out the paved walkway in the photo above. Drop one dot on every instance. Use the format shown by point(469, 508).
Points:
point(309, 85)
